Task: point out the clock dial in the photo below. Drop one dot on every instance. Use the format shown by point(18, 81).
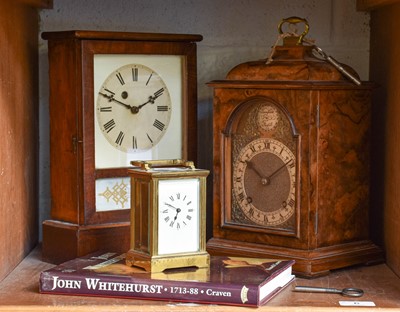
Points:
point(264, 179)
point(178, 211)
point(133, 108)
point(178, 216)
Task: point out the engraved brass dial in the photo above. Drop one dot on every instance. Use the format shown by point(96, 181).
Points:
point(268, 117)
point(264, 180)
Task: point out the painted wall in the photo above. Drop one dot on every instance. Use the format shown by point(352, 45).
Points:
point(234, 31)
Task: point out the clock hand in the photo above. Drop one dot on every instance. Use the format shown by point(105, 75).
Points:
point(178, 210)
point(112, 99)
point(152, 98)
point(169, 205)
point(279, 169)
point(264, 180)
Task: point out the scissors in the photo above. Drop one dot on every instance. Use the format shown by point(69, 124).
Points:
point(349, 292)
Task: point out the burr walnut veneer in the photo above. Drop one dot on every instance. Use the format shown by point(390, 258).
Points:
point(329, 135)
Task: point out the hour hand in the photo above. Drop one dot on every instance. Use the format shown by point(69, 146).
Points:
point(264, 180)
point(152, 98)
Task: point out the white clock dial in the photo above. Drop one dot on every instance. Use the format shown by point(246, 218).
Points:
point(178, 216)
point(133, 108)
point(115, 149)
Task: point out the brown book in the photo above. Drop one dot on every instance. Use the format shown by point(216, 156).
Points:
point(229, 280)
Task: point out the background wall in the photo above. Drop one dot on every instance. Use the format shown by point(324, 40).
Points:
point(234, 31)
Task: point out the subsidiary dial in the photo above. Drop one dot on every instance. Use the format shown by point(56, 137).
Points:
point(133, 108)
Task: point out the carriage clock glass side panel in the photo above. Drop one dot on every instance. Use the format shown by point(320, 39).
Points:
point(138, 116)
point(178, 216)
point(263, 189)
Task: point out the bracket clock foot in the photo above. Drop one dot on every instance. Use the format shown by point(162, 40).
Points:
point(63, 241)
point(309, 263)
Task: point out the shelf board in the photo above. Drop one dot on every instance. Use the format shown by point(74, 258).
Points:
point(19, 291)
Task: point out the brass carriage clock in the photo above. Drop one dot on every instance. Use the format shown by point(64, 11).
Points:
point(114, 97)
point(291, 162)
point(168, 215)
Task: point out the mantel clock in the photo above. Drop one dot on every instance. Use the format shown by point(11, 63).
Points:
point(114, 97)
point(291, 162)
point(168, 215)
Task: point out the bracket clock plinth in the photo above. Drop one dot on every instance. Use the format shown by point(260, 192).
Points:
point(292, 163)
point(114, 97)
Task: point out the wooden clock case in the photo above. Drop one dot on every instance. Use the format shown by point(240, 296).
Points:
point(331, 117)
point(76, 228)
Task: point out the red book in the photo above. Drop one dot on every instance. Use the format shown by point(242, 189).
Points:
point(228, 280)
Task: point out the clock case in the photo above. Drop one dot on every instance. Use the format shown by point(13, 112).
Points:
point(144, 215)
point(76, 228)
point(331, 119)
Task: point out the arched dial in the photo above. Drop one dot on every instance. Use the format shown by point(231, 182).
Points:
point(133, 108)
point(264, 176)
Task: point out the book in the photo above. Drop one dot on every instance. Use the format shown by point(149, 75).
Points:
point(228, 280)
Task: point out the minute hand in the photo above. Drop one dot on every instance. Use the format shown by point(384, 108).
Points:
point(279, 169)
point(112, 99)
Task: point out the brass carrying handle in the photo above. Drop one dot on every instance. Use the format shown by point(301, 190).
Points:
point(295, 20)
point(149, 164)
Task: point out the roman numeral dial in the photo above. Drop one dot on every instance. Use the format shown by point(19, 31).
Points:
point(177, 210)
point(133, 108)
point(264, 182)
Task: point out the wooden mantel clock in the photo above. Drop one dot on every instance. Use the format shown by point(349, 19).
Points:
point(114, 97)
point(292, 163)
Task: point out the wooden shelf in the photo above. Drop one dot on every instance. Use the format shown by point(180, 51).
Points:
point(19, 292)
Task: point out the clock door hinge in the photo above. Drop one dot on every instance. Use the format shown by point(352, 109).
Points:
point(316, 223)
point(317, 117)
point(75, 142)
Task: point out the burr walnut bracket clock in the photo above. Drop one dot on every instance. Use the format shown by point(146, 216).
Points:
point(291, 162)
point(114, 97)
